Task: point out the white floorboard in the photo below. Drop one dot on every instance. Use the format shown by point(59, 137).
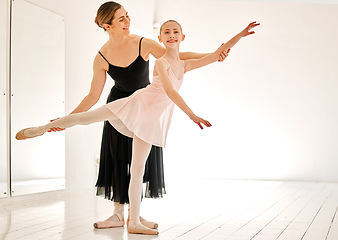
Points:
point(206, 210)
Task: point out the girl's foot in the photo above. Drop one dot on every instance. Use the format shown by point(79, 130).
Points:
point(140, 229)
point(111, 222)
point(22, 136)
point(151, 225)
point(148, 224)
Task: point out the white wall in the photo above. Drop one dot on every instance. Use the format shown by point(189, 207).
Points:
point(273, 103)
point(3, 89)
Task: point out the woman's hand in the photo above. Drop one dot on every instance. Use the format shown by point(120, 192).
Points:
point(56, 129)
point(247, 31)
point(223, 55)
point(224, 52)
point(199, 121)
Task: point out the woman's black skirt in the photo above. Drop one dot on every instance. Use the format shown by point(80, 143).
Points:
point(115, 160)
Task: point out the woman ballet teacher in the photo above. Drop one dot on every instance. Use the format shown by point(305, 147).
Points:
point(125, 57)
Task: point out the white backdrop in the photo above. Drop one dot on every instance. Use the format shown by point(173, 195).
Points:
point(272, 104)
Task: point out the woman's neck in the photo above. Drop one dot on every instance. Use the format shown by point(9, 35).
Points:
point(117, 39)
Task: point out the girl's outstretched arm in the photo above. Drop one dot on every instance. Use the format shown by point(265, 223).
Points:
point(161, 67)
point(212, 57)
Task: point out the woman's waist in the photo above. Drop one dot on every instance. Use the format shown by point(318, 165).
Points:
point(129, 89)
point(116, 92)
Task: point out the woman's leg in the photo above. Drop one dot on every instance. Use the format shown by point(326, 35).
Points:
point(84, 118)
point(141, 151)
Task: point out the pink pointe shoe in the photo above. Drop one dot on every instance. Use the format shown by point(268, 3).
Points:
point(145, 231)
point(148, 224)
point(20, 135)
point(109, 224)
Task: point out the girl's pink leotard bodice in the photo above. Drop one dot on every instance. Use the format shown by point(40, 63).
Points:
point(146, 113)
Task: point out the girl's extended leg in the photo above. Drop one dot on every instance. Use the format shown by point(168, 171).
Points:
point(141, 151)
point(84, 118)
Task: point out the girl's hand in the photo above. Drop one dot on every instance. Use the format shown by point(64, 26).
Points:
point(199, 121)
point(247, 31)
point(55, 129)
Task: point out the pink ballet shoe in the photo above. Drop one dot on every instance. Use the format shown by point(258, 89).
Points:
point(20, 135)
point(146, 231)
point(148, 224)
point(109, 224)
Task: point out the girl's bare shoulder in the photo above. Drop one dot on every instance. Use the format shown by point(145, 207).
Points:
point(161, 62)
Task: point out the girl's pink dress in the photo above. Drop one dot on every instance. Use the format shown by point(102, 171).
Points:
point(146, 113)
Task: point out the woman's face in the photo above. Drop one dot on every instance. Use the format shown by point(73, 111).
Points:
point(120, 23)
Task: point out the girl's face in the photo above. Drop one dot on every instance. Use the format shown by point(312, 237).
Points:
point(171, 35)
point(120, 23)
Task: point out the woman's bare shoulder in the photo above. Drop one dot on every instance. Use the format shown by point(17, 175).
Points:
point(104, 48)
point(134, 38)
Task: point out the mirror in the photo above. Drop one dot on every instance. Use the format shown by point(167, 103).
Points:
point(3, 97)
point(38, 92)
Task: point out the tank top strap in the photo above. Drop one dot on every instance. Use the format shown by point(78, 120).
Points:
point(139, 46)
point(104, 57)
point(166, 61)
point(169, 64)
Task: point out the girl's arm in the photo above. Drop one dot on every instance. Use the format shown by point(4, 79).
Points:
point(161, 67)
point(193, 55)
point(157, 50)
point(212, 57)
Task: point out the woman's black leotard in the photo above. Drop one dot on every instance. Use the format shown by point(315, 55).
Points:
point(116, 149)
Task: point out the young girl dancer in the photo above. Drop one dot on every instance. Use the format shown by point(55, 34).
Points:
point(145, 116)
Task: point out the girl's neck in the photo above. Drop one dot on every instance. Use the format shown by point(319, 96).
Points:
point(172, 53)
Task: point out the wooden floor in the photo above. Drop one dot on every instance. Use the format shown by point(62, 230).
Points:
point(208, 210)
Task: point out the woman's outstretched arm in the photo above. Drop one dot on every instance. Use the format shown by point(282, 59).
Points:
point(97, 85)
point(161, 67)
point(157, 50)
point(212, 57)
point(193, 55)
point(96, 88)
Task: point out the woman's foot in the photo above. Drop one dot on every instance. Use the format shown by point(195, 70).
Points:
point(137, 228)
point(112, 222)
point(22, 135)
